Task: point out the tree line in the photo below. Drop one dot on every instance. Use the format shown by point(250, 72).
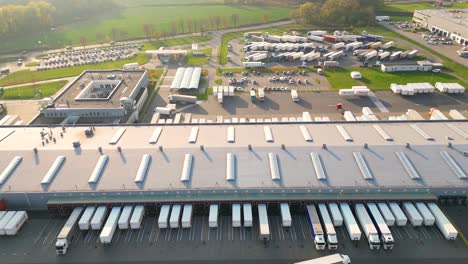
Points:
point(39, 16)
point(337, 12)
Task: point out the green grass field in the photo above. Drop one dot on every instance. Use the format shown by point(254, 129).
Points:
point(204, 96)
point(410, 7)
point(377, 80)
point(198, 60)
point(36, 91)
point(128, 3)
point(459, 5)
point(128, 24)
point(27, 76)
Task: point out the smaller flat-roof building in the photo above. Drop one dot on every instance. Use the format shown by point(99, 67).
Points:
point(98, 97)
point(422, 66)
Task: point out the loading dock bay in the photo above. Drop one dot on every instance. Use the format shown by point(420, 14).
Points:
point(37, 238)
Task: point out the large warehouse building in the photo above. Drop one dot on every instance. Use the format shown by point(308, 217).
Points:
point(232, 162)
point(451, 23)
point(104, 96)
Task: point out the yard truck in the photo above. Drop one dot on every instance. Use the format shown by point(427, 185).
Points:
point(66, 235)
point(295, 96)
point(367, 226)
point(261, 94)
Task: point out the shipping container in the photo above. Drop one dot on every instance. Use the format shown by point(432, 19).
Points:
point(332, 239)
point(315, 227)
point(163, 220)
point(125, 217)
point(108, 231)
point(368, 228)
point(350, 222)
point(137, 217)
point(263, 222)
point(98, 219)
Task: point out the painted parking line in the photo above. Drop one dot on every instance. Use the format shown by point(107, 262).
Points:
point(53, 239)
point(302, 228)
point(50, 233)
point(425, 233)
point(377, 102)
point(42, 232)
point(293, 233)
point(407, 232)
point(151, 232)
point(436, 233)
point(396, 233)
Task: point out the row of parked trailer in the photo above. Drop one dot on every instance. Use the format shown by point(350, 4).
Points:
point(94, 218)
point(11, 222)
point(316, 35)
point(374, 219)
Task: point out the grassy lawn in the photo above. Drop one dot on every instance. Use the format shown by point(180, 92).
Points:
point(165, 2)
point(377, 80)
point(400, 18)
point(459, 5)
point(28, 76)
point(410, 7)
point(31, 64)
point(128, 24)
point(35, 91)
point(192, 60)
point(204, 96)
point(175, 42)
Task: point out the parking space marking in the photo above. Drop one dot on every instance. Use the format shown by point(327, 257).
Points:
point(378, 103)
point(345, 236)
point(54, 236)
point(201, 233)
point(151, 231)
point(302, 228)
point(42, 231)
point(436, 232)
point(88, 236)
point(425, 233)
point(396, 233)
point(407, 232)
point(51, 231)
point(293, 233)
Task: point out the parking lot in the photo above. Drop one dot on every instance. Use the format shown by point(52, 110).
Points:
point(200, 244)
point(279, 81)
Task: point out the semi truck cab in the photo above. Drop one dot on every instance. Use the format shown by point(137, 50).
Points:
point(61, 246)
point(319, 242)
point(332, 242)
point(388, 241)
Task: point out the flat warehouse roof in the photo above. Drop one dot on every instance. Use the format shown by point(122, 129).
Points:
point(252, 167)
point(129, 81)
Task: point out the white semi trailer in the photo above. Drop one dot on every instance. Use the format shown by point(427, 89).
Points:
point(400, 217)
point(263, 223)
point(175, 216)
point(428, 218)
point(110, 226)
point(332, 239)
point(174, 98)
point(387, 214)
point(163, 220)
point(85, 220)
point(236, 215)
point(335, 214)
point(414, 216)
point(65, 236)
point(442, 222)
point(385, 234)
point(247, 210)
point(330, 259)
point(285, 214)
point(125, 217)
point(15, 223)
point(213, 216)
point(315, 227)
point(367, 226)
point(350, 222)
